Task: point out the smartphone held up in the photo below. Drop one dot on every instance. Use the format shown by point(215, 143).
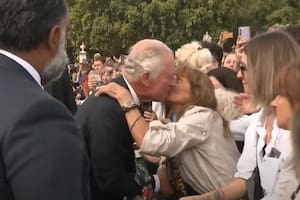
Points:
point(244, 32)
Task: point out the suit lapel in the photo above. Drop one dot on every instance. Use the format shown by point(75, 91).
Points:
point(120, 80)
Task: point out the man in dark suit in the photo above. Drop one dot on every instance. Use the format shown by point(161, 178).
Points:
point(61, 89)
point(148, 74)
point(42, 153)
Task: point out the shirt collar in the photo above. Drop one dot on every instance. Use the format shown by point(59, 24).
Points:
point(28, 67)
point(133, 93)
point(261, 126)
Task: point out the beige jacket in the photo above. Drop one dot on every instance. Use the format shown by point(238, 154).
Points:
point(206, 159)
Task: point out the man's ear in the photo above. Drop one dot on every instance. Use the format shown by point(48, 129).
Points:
point(145, 78)
point(53, 39)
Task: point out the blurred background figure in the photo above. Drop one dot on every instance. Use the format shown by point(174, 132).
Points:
point(95, 75)
point(216, 51)
point(231, 61)
point(195, 55)
point(61, 89)
point(107, 76)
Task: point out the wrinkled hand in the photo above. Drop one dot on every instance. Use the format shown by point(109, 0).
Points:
point(115, 91)
point(149, 116)
point(214, 195)
point(165, 120)
point(153, 159)
point(199, 197)
point(244, 104)
point(195, 197)
point(92, 84)
point(239, 47)
point(165, 186)
point(221, 39)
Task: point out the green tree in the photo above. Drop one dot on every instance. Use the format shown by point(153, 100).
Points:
point(112, 26)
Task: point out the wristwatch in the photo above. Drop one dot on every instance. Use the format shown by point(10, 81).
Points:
point(129, 105)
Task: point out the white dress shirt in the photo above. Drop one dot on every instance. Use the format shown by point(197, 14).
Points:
point(276, 172)
point(239, 126)
point(137, 101)
point(159, 108)
point(132, 92)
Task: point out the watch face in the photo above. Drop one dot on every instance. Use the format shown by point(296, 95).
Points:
point(129, 105)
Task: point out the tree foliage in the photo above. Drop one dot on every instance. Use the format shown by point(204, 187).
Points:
point(112, 26)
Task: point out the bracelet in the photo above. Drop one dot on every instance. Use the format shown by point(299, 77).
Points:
point(135, 121)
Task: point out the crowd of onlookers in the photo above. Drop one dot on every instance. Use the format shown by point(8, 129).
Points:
point(245, 86)
point(191, 124)
point(86, 76)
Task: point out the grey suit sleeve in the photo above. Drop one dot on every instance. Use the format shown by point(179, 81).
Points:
point(44, 155)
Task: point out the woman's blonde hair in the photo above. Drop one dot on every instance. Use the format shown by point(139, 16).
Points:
point(195, 56)
point(266, 54)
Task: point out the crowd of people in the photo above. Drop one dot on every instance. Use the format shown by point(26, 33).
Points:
point(191, 124)
point(86, 76)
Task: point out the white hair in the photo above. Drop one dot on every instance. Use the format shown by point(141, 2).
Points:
point(195, 56)
point(56, 66)
point(150, 58)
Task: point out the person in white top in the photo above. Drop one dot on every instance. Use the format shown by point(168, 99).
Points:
point(296, 141)
point(286, 103)
point(198, 143)
point(267, 147)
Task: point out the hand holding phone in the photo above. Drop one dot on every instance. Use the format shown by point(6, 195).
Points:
point(244, 32)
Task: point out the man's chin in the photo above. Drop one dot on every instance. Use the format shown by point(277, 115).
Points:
point(55, 68)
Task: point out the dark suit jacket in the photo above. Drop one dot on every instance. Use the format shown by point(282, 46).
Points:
point(42, 154)
point(110, 146)
point(61, 90)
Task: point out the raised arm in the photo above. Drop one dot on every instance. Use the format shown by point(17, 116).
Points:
point(136, 123)
point(232, 191)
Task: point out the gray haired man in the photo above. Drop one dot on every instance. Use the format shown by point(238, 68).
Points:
point(42, 153)
point(148, 74)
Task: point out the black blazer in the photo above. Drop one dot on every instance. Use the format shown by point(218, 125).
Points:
point(61, 90)
point(110, 146)
point(42, 154)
